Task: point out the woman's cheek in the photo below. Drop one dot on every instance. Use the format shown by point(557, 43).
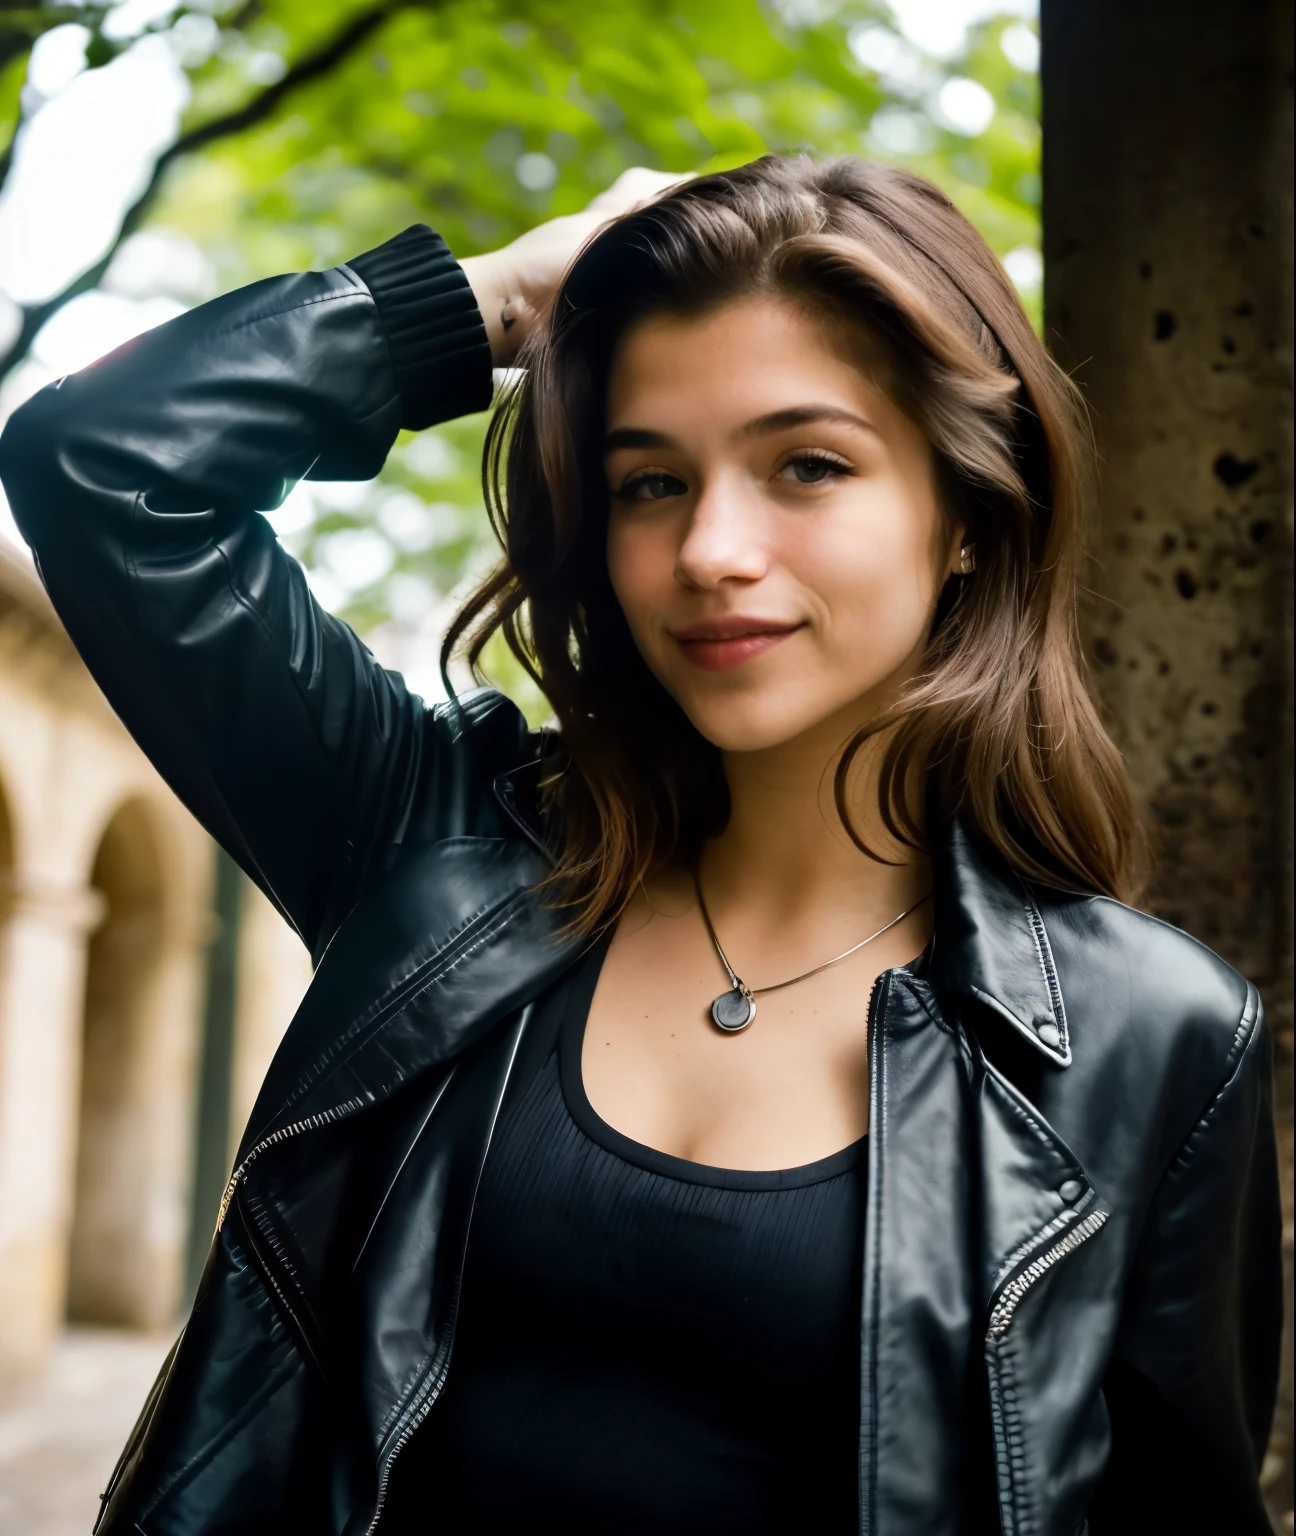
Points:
point(877, 610)
point(640, 571)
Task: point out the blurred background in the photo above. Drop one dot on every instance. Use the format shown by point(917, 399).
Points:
point(154, 155)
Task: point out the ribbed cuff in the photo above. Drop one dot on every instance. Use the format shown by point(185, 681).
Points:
point(434, 329)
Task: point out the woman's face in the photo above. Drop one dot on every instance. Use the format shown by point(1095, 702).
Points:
point(775, 538)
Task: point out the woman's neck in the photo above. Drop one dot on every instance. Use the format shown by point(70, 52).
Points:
point(786, 861)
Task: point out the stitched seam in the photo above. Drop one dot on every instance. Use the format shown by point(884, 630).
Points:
point(877, 1173)
point(254, 1206)
point(1004, 1475)
point(1015, 1464)
point(1242, 1037)
point(1044, 951)
point(505, 912)
point(382, 327)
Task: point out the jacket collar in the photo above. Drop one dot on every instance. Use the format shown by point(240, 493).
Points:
point(991, 943)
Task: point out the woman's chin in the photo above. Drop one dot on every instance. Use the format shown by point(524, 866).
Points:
point(753, 724)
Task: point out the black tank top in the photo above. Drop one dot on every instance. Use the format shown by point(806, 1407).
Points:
point(645, 1344)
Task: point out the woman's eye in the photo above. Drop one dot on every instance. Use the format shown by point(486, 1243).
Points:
point(651, 487)
point(812, 469)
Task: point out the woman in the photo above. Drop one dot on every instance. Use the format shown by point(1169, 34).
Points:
point(839, 1152)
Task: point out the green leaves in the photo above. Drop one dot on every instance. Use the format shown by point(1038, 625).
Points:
point(484, 117)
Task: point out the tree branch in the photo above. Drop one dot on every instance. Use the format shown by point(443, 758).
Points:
point(311, 66)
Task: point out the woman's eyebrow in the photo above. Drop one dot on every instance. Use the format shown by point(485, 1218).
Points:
point(801, 416)
point(761, 426)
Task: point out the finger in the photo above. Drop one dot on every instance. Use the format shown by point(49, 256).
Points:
point(517, 320)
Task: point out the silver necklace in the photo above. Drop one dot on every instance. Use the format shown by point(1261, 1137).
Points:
point(735, 1009)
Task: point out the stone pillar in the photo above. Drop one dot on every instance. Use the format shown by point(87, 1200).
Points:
point(1168, 288)
point(40, 1044)
point(170, 1068)
point(274, 971)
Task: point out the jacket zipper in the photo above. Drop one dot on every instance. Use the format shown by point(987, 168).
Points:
point(1002, 1311)
point(1014, 1293)
point(420, 978)
point(421, 1412)
point(876, 998)
point(285, 1133)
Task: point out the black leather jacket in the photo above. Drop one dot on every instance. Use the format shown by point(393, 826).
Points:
point(1071, 1304)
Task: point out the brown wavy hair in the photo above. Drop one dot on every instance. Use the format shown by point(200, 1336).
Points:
point(999, 727)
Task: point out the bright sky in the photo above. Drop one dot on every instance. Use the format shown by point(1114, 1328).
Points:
point(86, 149)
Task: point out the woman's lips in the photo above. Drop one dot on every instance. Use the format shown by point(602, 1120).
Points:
point(727, 643)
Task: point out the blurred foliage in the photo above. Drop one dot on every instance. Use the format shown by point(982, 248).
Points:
point(483, 117)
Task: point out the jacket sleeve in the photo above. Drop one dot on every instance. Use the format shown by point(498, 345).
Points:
point(1192, 1388)
point(137, 483)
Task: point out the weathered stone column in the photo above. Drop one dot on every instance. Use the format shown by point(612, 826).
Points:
point(40, 1047)
point(1168, 287)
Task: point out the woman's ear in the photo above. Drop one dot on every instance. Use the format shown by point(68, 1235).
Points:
point(960, 553)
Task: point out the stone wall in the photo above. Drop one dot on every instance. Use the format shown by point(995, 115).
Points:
point(105, 922)
point(1168, 289)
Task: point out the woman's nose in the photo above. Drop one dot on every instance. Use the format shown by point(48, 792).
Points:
point(724, 540)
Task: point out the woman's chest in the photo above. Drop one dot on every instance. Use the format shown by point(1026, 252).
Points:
point(790, 1088)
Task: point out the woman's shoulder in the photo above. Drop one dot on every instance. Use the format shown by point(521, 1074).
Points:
point(493, 757)
point(1135, 984)
point(491, 729)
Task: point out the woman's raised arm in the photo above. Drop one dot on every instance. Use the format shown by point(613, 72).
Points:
point(137, 483)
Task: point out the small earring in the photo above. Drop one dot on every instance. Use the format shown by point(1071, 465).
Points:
point(967, 559)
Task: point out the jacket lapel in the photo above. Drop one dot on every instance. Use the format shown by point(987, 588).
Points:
point(969, 1186)
point(443, 947)
point(992, 945)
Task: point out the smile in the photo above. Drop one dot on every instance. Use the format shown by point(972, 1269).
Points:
point(720, 645)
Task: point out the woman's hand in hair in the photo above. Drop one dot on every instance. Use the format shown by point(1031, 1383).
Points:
point(513, 285)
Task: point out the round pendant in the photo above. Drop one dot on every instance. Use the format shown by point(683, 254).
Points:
point(733, 1011)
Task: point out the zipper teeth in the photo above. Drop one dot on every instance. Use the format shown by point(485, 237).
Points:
point(421, 978)
point(401, 1441)
point(1011, 1296)
point(311, 1123)
point(877, 995)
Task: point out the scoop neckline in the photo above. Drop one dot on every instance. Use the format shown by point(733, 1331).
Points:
point(575, 1000)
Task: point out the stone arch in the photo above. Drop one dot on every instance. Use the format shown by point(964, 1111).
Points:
point(108, 1252)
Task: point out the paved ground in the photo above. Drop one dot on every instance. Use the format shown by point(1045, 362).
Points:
point(60, 1437)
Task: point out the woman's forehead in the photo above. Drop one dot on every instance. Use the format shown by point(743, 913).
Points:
point(736, 368)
